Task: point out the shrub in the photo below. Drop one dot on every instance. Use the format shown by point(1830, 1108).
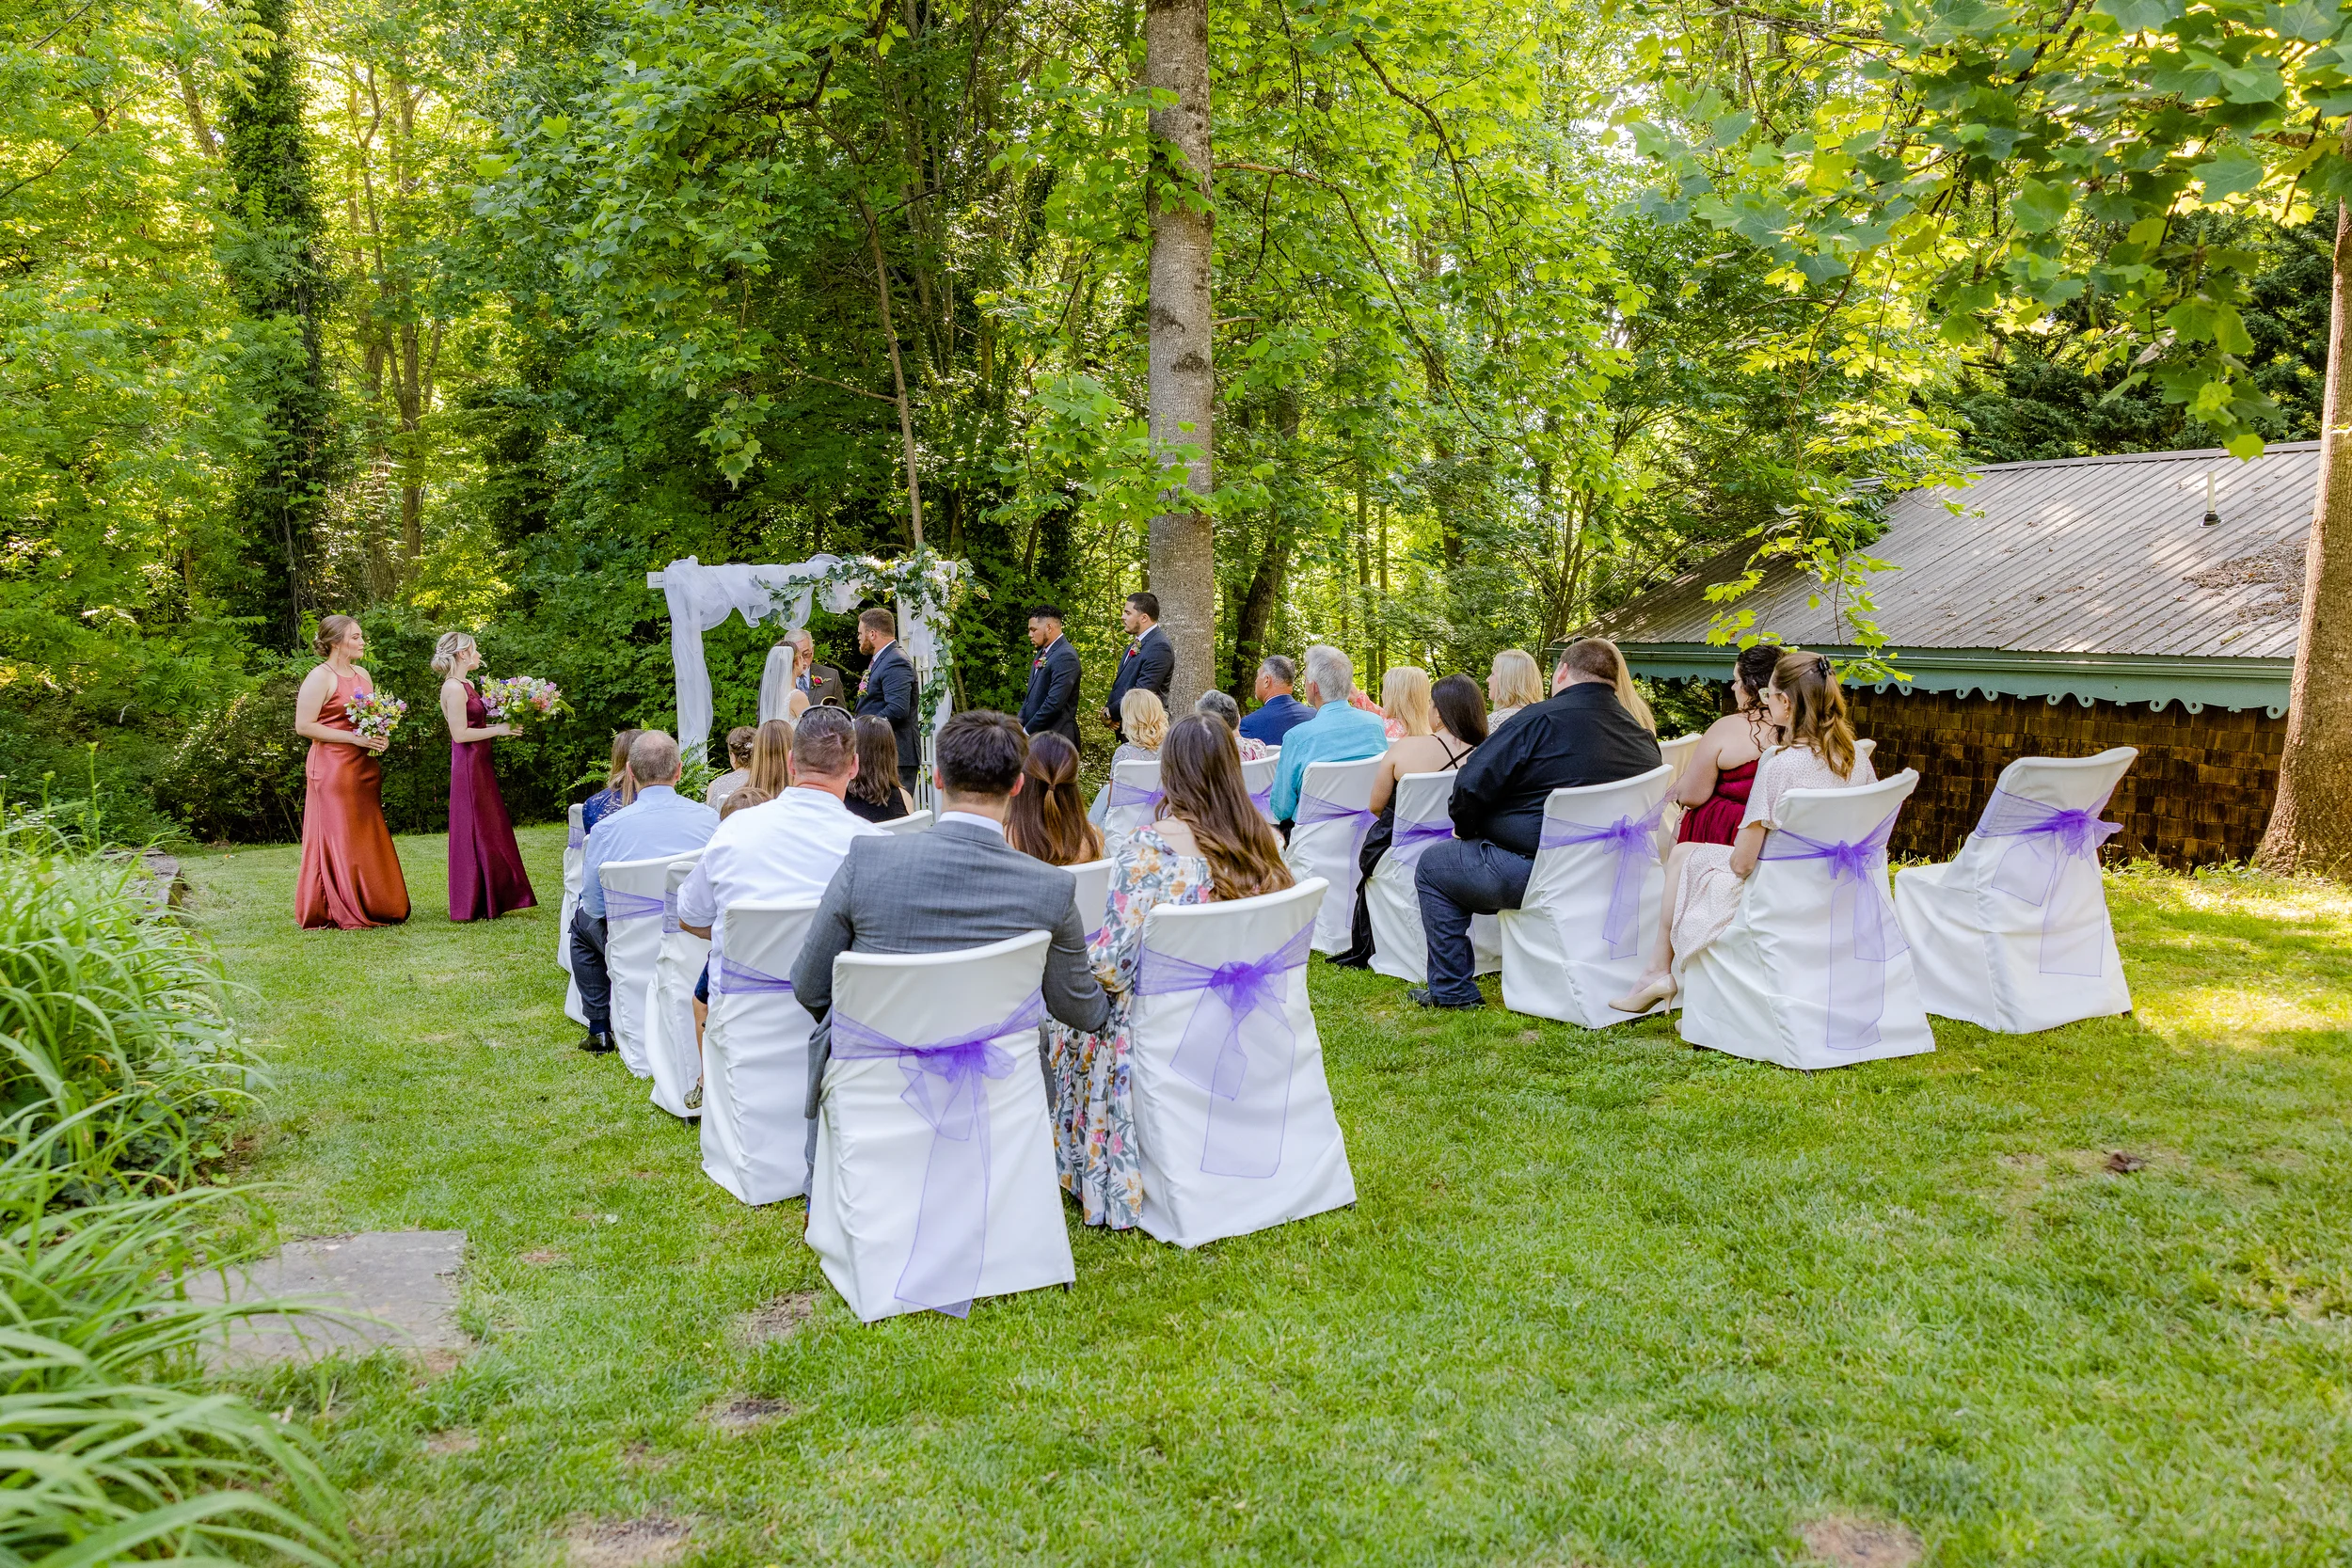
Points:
point(237, 774)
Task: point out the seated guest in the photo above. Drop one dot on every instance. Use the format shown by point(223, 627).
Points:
point(1143, 723)
point(619, 788)
point(1581, 735)
point(1225, 711)
point(770, 771)
point(958, 886)
point(1721, 770)
point(1337, 732)
point(1208, 844)
point(1048, 819)
point(738, 767)
point(1513, 682)
point(876, 793)
point(1704, 881)
point(659, 821)
point(1362, 703)
point(1440, 728)
point(1277, 712)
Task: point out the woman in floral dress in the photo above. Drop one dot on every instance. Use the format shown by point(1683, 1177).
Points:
point(1207, 843)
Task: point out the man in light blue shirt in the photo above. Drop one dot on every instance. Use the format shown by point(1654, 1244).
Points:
point(659, 821)
point(1337, 732)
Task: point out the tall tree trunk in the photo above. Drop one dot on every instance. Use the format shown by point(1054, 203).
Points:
point(2311, 827)
point(897, 371)
point(1184, 381)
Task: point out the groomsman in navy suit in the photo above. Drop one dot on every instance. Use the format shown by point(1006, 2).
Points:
point(1053, 700)
point(1149, 662)
point(889, 687)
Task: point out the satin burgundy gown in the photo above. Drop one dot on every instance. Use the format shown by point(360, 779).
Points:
point(350, 876)
point(1716, 820)
point(486, 870)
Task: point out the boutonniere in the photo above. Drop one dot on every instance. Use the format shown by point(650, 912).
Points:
point(1038, 663)
point(1132, 649)
point(861, 684)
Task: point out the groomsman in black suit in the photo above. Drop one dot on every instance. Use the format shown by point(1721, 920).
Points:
point(889, 687)
point(1149, 662)
point(1053, 700)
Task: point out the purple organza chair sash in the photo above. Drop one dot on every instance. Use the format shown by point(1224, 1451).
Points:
point(1263, 799)
point(1633, 840)
point(576, 837)
point(1245, 1137)
point(1124, 796)
point(1314, 808)
point(942, 1267)
point(729, 978)
point(619, 905)
point(2051, 842)
point(1411, 840)
point(1863, 932)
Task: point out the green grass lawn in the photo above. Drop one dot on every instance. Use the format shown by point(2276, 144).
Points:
point(1603, 1299)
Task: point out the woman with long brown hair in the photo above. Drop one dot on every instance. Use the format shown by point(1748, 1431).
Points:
point(1716, 780)
point(1704, 881)
point(875, 793)
point(1048, 816)
point(1207, 844)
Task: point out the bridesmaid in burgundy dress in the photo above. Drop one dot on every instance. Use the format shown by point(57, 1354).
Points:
point(486, 870)
point(1721, 768)
point(350, 874)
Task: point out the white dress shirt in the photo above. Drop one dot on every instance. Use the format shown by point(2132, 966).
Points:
point(972, 816)
point(783, 850)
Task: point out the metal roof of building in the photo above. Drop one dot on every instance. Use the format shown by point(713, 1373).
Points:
point(2096, 556)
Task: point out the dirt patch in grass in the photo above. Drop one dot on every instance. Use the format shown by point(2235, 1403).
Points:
point(1845, 1541)
point(455, 1440)
point(746, 1414)
point(779, 1319)
point(541, 1257)
point(625, 1543)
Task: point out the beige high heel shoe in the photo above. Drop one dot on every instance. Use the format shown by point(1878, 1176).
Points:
point(1643, 999)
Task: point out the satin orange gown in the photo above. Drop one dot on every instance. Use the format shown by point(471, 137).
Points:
point(350, 874)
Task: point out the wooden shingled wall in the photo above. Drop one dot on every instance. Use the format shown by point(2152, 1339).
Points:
point(2199, 793)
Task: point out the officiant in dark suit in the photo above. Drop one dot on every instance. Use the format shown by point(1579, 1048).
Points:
point(1149, 662)
point(1053, 700)
point(889, 688)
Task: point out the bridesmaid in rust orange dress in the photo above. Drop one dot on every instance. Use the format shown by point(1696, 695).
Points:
point(350, 876)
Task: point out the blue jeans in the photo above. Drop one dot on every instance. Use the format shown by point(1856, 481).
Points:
point(1457, 880)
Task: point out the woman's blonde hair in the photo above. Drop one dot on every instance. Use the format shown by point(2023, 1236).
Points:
point(1405, 697)
point(1143, 719)
point(1598, 657)
point(452, 647)
point(620, 777)
point(772, 744)
point(1514, 680)
point(1817, 709)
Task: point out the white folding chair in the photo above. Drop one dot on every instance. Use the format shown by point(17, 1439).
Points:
point(633, 897)
point(1233, 1120)
point(935, 1181)
point(1135, 797)
point(1589, 920)
point(1328, 831)
point(2015, 934)
point(670, 1051)
point(1863, 747)
point(1093, 894)
point(1678, 750)
point(912, 822)
point(575, 875)
point(1257, 776)
point(754, 1137)
point(1400, 948)
point(1813, 970)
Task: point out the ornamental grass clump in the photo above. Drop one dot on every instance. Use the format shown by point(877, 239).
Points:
point(108, 1006)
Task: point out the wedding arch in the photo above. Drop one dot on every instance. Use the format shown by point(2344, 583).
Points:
point(922, 587)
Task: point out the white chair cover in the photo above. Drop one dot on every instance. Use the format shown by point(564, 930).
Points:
point(1813, 970)
point(1233, 1119)
point(755, 1057)
point(1326, 836)
point(1864, 746)
point(1400, 948)
point(633, 897)
point(1257, 776)
point(2014, 933)
point(1135, 796)
point(935, 1181)
point(670, 1051)
point(1093, 895)
point(912, 822)
point(1678, 750)
point(575, 874)
point(1588, 925)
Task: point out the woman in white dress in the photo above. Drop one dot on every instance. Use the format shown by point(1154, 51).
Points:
point(1704, 881)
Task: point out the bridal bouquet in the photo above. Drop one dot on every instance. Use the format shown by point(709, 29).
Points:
point(519, 695)
point(373, 712)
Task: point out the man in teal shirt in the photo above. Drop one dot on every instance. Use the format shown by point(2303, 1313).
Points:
point(1337, 732)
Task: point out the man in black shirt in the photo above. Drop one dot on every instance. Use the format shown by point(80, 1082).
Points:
point(1581, 735)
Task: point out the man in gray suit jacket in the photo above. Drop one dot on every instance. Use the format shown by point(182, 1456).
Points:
point(960, 885)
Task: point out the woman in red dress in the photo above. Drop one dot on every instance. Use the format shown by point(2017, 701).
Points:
point(1721, 767)
point(350, 874)
point(486, 870)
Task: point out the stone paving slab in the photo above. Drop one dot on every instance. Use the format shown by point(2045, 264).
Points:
point(377, 1289)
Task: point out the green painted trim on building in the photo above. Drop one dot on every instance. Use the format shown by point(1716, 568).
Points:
point(2196, 684)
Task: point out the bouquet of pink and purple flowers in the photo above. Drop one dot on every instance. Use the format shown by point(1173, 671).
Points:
point(374, 713)
point(519, 695)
